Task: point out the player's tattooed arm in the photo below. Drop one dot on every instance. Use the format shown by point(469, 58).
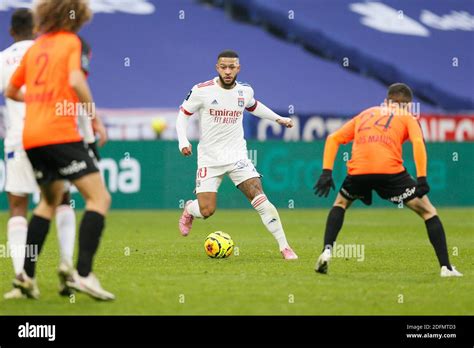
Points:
point(262, 111)
point(251, 188)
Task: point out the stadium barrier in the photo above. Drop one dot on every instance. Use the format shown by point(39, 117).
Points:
point(153, 175)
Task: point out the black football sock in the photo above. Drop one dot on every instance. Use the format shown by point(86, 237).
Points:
point(37, 231)
point(90, 231)
point(438, 240)
point(333, 226)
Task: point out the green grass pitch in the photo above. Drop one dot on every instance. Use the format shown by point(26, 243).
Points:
point(154, 271)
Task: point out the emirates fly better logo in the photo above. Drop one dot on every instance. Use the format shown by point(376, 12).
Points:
point(225, 116)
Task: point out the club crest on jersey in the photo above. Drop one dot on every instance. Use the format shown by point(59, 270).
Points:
point(241, 102)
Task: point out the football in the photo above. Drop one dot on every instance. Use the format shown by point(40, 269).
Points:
point(218, 245)
point(159, 124)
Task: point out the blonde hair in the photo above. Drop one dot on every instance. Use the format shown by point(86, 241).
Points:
point(55, 15)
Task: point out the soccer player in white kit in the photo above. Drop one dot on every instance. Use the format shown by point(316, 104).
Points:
point(222, 149)
point(20, 180)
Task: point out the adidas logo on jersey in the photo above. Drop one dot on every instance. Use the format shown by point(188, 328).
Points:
point(214, 102)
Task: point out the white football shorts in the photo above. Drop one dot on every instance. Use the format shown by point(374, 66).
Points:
point(208, 179)
point(20, 179)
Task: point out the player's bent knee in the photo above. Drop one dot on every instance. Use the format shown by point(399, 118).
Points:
point(98, 196)
point(340, 205)
point(18, 205)
point(18, 211)
point(424, 209)
point(107, 200)
point(45, 209)
point(429, 213)
point(343, 203)
point(100, 203)
point(52, 201)
point(207, 211)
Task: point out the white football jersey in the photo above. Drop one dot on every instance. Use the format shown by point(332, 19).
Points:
point(15, 115)
point(221, 114)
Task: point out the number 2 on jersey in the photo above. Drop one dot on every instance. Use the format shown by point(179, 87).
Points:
point(41, 62)
point(363, 126)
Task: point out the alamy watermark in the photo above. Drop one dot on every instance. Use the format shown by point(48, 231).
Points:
point(67, 108)
point(401, 109)
point(37, 331)
point(238, 157)
point(29, 251)
point(348, 251)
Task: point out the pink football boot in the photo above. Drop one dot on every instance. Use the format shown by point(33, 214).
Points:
point(186, 221)
point(289, 254)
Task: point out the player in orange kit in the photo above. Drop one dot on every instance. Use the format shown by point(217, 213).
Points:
point(376, 164)
point(56, 93)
